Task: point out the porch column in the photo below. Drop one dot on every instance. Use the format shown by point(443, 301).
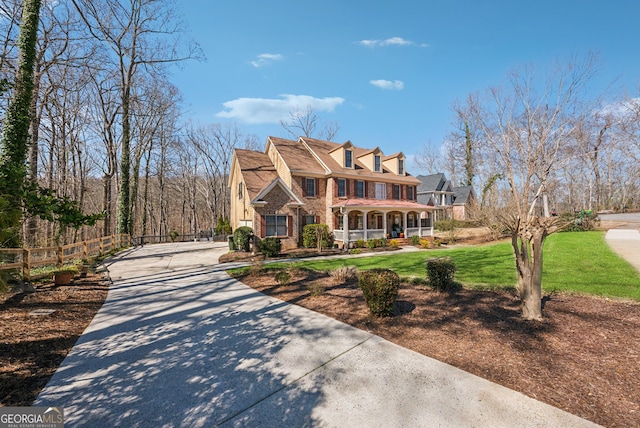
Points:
point(345, 229)
point(384, 223)
point(404, 224)
point(432, 221)
point(365, 223)
point(420, 224)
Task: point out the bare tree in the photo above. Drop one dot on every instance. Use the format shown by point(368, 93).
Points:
point(141, 36)
point(528, 125)
point(304, 122)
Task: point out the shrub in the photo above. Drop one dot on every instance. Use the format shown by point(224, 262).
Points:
point(270, 246)
point(380, 289)
point(242, 238)
point(355, 251)
point(382, 242)
point(440, 272)
point(315, 288)
point(415, 240)
point(371, 244)
point(426, 243)
point(583, 221)
point(394, 243)
point(360, 243)
point(311, 233)
point(223, 226)
point(173, 235)
point(344, 273)
point(283, 277)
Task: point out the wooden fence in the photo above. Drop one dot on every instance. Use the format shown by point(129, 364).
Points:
point(28, 258)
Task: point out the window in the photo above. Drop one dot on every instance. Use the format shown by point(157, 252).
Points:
point(396, 191)
point(411, 190)
point(240, 190)
point(310, 187)
point(360, 189)
point(411, 220)
point(348, 159)
point(400, 166)
point(376, 163)
point(359, 222)
point(381, 191)
point(342, 187)
point(276, 225)
point(309, 219)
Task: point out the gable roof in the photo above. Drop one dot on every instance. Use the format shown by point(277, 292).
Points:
point(256, 169)
point(293, 199)
point(297, 156)
point(463, 195)
point(434, 183)
point(322, 151)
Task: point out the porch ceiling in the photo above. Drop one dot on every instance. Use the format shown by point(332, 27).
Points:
point(381, 204)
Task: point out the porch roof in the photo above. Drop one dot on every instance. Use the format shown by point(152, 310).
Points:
point(382, 204)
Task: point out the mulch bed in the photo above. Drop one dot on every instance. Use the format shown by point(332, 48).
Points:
point(33, 346)
point(583, 358)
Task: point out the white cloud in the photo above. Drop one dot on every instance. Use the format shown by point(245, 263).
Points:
point(269, 110)
point(392, 41)
point(266, 59)
point(388, 84)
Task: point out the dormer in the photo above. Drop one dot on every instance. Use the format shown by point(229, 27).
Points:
point(344, 155)
point(372, 159)
point(396, 163)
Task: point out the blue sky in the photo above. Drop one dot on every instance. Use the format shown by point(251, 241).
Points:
point(387, 72)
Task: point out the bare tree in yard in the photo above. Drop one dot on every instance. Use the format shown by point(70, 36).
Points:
point(304, 122)
point(528, 125)
point(141, 36)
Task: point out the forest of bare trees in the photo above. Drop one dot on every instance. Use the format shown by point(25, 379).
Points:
point(107, 127)
point(600, 168)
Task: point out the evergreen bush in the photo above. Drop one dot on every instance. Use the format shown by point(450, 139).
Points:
point(270, 247)
point(242, 238)
point(311, 232)
point(441, 272)
point(380, 289)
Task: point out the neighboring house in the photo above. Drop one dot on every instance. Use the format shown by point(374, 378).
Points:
point(448, 201)
point(360, 193)
point(463, 201)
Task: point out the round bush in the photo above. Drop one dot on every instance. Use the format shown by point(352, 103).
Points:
point(242, 238)
point(440, 272)
point(380, 289)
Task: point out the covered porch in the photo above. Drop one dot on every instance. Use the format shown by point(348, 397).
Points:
point(364, 219)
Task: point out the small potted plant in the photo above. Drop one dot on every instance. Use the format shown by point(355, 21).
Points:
point(64, 276)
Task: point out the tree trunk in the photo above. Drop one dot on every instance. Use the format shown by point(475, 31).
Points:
point(528, 251)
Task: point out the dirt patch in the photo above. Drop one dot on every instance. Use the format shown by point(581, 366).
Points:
point(583, 358)
point(38, 331)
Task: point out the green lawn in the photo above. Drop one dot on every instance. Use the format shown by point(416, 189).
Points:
point(574, 261)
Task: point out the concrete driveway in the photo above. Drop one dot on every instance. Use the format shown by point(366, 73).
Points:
point(180, 343)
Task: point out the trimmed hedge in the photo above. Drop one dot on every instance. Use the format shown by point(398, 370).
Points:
point(310, 236)
point(270, 246)
point(242, 238)
point(380, 289)
point(441, 272)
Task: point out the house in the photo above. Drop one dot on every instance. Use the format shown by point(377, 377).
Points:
point(463, 202)
point(360, 193)
point(448, 201)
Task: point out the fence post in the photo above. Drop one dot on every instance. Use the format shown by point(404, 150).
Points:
point(60, 257)
point(26, 264)
point(113, 242)
point(85, 250)
point(100, 247)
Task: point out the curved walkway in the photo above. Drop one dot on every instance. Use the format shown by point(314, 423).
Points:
point(180, 343)
point(625, 242)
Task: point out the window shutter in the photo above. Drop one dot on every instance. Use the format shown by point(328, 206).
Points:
point(317, 220)
point(263, 226)
point(304, 186)
point(290, 225)
point(365, 192)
